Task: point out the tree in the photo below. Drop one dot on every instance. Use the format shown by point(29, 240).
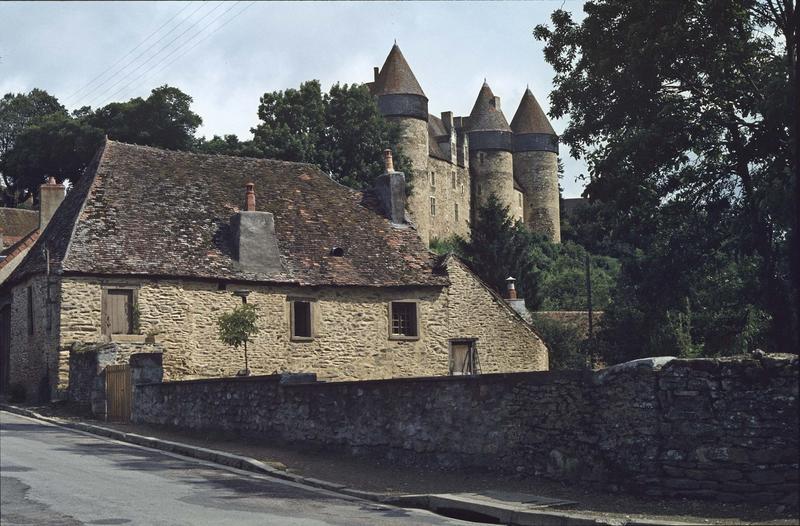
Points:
point(682, 111)
point(18, 112)
point(499, 248)
point(238, 327)
point(341, 131)
point(227, 145)
point(39, 144)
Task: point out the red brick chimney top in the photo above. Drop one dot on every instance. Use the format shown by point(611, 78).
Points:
point(387, 160)
point(250, 198)
point(511, 292)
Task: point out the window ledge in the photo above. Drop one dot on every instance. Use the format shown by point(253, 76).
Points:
point(302, 338)
point(128, 338)
point(400, 337)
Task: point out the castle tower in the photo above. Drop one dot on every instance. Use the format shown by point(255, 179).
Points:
point(490, 147)
point(401, 99)
point(536, 167)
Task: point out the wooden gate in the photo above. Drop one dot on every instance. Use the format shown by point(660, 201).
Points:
point(118, 393)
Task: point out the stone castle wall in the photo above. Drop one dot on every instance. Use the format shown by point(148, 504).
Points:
point(494, 174)
point(352, 328)
point(414, 142)
point(445, 223)
point(717, 429)
point(536, 172)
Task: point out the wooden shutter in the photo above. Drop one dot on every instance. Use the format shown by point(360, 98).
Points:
point(119, 307)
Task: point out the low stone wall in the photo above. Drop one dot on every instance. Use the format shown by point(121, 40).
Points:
point(722, 429)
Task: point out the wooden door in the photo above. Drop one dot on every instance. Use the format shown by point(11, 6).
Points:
point(120, 303)
point(459, 358)
point(119, 393)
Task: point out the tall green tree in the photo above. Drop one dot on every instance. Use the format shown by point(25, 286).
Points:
point(39, 143)
point(682, 111)
point(342, 131)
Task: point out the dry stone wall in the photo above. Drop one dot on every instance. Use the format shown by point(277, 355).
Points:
point(718, 429)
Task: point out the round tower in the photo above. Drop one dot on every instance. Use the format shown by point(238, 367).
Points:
point(490, 158)
point(536, 167)
point(401, 99)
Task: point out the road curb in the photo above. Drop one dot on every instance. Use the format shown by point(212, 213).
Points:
point(435, 503)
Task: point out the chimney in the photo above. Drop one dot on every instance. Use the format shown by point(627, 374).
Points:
point(390, 187)
point(255, 246)
point(376, 71)
point(51, 194)
point(447, 119)
point(511, 290)
point(496, 103)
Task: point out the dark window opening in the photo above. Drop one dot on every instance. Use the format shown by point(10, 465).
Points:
point(301, 316)
point(337, 252)
point(30, 310)
point(404, 319)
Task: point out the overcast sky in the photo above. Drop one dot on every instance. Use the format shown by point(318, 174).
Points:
point(226, 55)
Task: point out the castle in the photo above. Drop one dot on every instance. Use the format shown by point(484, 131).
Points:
point(458, 162)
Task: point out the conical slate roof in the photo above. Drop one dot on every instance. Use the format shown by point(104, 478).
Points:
point(396, 77)
point(485, 116)
point(530, 117)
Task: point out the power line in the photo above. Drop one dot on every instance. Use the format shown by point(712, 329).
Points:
point(166, 46)
point(153, 70)
point(140, 55)
point(128, 53)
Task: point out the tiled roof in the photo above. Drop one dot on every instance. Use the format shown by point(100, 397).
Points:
point(485, 116)
point(11, 252)
point(16, 223)
point(396, 77)
point(530, 117)
point(145, 211)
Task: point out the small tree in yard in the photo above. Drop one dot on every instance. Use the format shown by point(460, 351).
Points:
point(238, 327)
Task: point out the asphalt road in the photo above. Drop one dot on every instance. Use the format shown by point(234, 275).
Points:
point(54, 476)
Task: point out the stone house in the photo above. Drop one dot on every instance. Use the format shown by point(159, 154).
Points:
point(151, 246)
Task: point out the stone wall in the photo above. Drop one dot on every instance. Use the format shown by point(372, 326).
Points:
point(445, 224)
point(35, 358)
point(537, 172)
point(721, 429)
point(352, 328)
point(495, 174)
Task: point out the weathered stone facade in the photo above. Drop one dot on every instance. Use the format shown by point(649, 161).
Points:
point(715, 429)
point(490, 175)
point(351, 340)
point(534, 170)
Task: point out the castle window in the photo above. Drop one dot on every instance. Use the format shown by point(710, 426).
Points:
point(433, 179)
point(302, 320)
point(403, 316)
point(433, 206)
point(480, 157)
point(456, 211)
point(479, 189)
point(520, 199)
point(453, 177)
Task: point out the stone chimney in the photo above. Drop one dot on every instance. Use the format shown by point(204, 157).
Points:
point(390, 187)
point(376, 71)
point(51, 194)
point(518, 304)
point(255, 246)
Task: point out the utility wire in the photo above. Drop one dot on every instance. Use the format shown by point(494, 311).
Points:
point(153, 70)
point(140, 44)
point(127, 74)
point(202, 39)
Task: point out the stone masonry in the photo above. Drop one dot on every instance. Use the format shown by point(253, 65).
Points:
point(722, 429)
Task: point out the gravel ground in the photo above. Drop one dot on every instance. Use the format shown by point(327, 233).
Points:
point(373, 475)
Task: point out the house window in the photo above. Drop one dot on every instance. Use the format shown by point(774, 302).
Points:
point(433, 206)
point(119, 311)
point(456, 211)
point(30, 310)
point(453, 179)
point(404, 319)
point(433, 179)
point(302, 328)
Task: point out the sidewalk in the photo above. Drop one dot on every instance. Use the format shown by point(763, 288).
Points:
point(469, 495)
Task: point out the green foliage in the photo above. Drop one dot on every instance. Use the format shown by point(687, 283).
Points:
point(238, 327)
point(342, 131)
point(567, 347)
point(448, 245)
point(227, 145)
point(40, 139)
point(682, 110)
point(500, 248)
